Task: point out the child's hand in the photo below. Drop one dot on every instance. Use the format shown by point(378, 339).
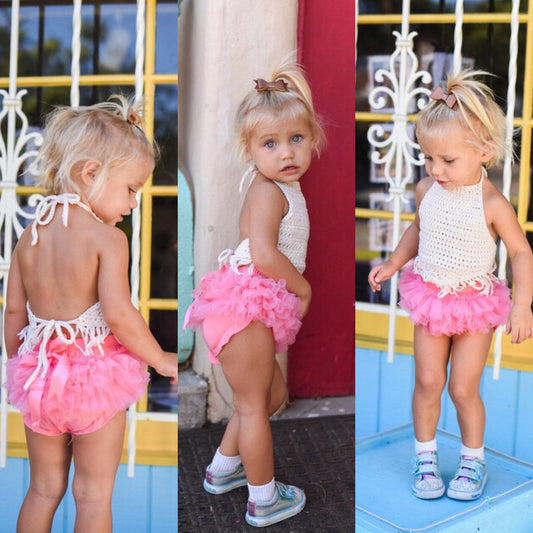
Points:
point(520, 323)
point(380, 273)
point(168, 366)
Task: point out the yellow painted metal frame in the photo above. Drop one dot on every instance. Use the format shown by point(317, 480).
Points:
point(157, 441)
point(372, 328)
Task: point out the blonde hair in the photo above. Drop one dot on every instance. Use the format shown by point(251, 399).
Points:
point(475, 110)
point(266, 105)
point(76, 135)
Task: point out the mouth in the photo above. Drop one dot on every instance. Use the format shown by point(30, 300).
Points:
point(290, 169)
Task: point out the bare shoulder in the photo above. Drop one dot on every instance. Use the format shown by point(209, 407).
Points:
point(422, 188)
point(494, 201)
point(110, 239)
point(25, 238)
point(262, 188)
point(264, 194)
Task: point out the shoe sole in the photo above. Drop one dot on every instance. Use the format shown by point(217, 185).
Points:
point(428, 494)
point(259, 521)
point(466, 496)
point(222, 489)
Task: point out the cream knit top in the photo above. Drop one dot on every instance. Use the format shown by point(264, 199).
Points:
point(456, 249)
point(292, 238)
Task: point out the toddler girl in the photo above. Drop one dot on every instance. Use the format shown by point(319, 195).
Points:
point(452, 296)
point(252, 307)
point(78, 348)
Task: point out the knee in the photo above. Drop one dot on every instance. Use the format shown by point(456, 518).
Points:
point(51, 490)
point(258, 405)
point(431, 383)
point(87, 491)
point(461, 393)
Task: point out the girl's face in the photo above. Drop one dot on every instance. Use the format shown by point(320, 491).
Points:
point(118, 195)
point(282, 149)
point(451, 159)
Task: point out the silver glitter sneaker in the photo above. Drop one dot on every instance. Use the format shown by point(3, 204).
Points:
point(224, 482)
point(287, 501)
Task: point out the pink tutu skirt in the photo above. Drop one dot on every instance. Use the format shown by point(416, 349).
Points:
point(79, 393)
point(226, 302)
point(468, 311)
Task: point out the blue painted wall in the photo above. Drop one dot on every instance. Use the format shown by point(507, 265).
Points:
point(146, 503)
point(383, 401)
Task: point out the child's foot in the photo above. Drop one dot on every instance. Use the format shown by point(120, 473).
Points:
point(427, 481)
point(469, 480)
point(222, 482)
point(287, 501)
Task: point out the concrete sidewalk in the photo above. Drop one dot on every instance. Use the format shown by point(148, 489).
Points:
point(312, 451)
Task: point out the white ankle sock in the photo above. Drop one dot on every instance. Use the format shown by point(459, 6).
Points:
point(427, 446)
point(478, 453)
point(224, 463)
point(262, 493)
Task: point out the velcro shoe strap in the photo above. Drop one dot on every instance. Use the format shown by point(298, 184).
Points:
point(470, 469)
point(426, 468)
point(470, 474)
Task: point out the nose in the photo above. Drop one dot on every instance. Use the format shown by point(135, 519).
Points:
point(287, 152)
point(433, 168)
point(134, 203)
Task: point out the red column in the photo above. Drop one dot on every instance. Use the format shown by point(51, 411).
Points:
point(322, 361)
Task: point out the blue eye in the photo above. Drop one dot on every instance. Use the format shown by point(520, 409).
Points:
point(296, 138)
point(270, 144)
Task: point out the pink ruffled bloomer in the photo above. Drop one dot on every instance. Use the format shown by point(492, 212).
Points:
point(226, 302)
point(453, 314)
point(79, 393)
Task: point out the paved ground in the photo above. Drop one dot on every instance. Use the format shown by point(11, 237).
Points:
point(312, 451)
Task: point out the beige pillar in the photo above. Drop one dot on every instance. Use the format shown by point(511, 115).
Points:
point(223, 47)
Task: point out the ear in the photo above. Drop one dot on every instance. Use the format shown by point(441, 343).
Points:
point(90, 171)
point(487, 153)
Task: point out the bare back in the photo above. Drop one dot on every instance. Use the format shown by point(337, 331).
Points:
point(60, 271)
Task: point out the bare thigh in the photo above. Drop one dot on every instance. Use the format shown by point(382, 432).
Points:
point(248, 362)
point(431, 359)
point(49, 459)
point(469, 356)
point(96, 458)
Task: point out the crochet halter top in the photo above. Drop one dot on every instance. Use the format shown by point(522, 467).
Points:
point(90, 326)
point(456, 249)
point(292, 237)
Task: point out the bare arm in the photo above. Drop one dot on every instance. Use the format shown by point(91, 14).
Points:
point(265, 205)
point(15, 314)
point(406, 249)
point(119, 313)
point(505, 223)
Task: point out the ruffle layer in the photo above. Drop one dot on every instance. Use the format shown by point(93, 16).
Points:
point(247, 296)
point(453, 314)
point(79, 393)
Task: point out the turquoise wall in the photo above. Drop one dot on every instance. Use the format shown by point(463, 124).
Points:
point(185, 265)
point(146, 503)
point(383, 401)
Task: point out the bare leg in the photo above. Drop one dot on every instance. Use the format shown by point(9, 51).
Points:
point(278, 394)
point(469, 355)
point(49, 465)
point(248, 362)
point(96, 459)
point(431, 359)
